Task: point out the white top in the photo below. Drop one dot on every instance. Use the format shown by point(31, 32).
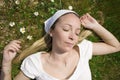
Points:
point(32, 65)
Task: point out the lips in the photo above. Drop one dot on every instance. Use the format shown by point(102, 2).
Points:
point(69, 44)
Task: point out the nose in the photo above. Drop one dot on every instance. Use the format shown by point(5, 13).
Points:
point(72, 36)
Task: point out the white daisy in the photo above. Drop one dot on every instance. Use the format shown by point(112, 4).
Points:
point(29, 37)
point(36, 13)
point(70, 7)
point(22, 30)
point(17, 2)
point(52, 1)
point(12, 24)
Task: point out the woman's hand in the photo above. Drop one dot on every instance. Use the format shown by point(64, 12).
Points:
point(88, 21)
point(10, 51)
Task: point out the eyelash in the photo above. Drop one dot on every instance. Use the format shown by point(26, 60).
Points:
point(66, 29)
point(77, 34)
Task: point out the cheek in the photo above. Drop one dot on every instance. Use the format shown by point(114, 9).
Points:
point(61, 36)
point(59, 33)
point(77, 40)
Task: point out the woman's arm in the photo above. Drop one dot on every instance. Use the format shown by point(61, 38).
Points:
point(21, 76)
point(9, 53)
point(6, 72)
point(110, 44)
point(6, 75)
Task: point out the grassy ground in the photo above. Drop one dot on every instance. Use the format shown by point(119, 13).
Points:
point(105, 67)
point(108, 67)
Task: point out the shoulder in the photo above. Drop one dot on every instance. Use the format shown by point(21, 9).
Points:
point(32, 59)
point(31, 65)
point(35, 58)
point(35, 55)
point(84, 43)
point(85, 48)
point(31, 62)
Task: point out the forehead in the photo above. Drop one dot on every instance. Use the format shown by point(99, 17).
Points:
point(69, 18)
point(69, 15)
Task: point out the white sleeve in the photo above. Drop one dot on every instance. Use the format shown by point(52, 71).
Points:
point(85, 48)
point(27, 67)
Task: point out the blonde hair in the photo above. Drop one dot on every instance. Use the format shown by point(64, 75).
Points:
point(36, 46)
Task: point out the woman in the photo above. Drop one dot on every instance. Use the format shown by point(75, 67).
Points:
point(66, 59)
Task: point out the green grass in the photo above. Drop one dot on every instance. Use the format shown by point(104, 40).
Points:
point(105, 67)
point(108, 67)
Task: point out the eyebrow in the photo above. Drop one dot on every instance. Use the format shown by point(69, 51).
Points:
point(71, 26)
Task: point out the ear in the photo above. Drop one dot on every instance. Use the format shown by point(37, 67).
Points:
point(50, 33)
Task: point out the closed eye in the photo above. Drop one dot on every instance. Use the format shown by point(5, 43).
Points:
point(77, 34)
point(66, 29)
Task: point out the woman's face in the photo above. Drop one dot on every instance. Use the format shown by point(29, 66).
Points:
point(65, 33)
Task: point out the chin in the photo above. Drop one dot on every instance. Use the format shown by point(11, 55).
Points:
point(67, 49)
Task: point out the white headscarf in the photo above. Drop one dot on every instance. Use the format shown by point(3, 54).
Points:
point(50, 21)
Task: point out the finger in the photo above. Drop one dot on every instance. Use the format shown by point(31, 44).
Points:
point(12, 48)
point(16, 41)
point(15, 47)
point(16, 44)
point(88, 15)
point(85, 20)
point(82, 22)
point(82, 17)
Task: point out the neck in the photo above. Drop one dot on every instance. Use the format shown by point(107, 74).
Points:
point(59, 56)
